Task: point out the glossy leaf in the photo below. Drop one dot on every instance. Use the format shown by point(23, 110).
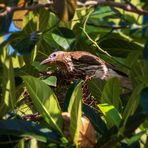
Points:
point(8, 99)
point(64, 37)
point(51, 81)
point(95, 119)
point(102, 12)
point(111, 93)
point(75, 110)
point(111, 114)
point(25, 128)
point(45, 101)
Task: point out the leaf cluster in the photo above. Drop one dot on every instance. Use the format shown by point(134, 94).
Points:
point(32, 102)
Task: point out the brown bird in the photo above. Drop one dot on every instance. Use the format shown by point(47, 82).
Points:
point(82, 64)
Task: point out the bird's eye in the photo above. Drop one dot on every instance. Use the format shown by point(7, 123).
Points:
point(53, 55)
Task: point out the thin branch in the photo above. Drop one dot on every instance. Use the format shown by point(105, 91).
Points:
point(95, 43)
point(9, 9)
point(125, 6)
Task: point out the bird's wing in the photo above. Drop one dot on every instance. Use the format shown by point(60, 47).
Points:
point(85, 57)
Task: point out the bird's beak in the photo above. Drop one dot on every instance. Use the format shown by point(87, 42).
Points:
point(45, 61)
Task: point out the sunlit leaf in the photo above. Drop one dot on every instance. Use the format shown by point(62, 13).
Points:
point(75, 110)
point(111, 114)
point(136, 137)
point(51, 81)
point(19, 15)
point(102, 12)
point(8, 99)
point(64, 37)
point(45, 101)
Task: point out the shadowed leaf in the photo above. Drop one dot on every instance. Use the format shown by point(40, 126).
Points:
point(65, 9)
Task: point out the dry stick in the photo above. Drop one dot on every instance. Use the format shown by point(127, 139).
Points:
point(127, 7)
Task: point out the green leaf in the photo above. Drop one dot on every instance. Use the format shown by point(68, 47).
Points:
point(5, 23)
point(135, 137)
point(29, 22)
point(118, 46)
point(102, 12)
point(75, 110)
point(48, 38)
point(25, 128)
point(111, 93)
point(111, 114)
point(44, 15)
point(38, 66)
point(96, 87)
point(144, 99)
point(95, 119)
point(45, 101)
point(8, 99)
point(64, 37)
point(68, 96)
point(23, 42)
point(133, 103)
point(132, 58)
point(51, 81)
point(145, 52)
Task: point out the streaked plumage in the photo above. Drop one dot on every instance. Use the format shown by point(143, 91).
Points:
point(81, 64)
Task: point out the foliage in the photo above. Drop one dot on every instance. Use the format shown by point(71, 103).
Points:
point(30, 102)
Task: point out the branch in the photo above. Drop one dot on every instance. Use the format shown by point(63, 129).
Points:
point(125, 6)
point(9, 9)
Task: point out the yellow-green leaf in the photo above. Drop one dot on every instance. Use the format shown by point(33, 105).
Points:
point(8, 100)
point(45, 101)
point(110, 113)
point(75, 110)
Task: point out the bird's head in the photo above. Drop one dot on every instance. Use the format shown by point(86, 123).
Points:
point(54, 58)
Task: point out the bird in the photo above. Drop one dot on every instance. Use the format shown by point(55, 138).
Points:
point(83, 65)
